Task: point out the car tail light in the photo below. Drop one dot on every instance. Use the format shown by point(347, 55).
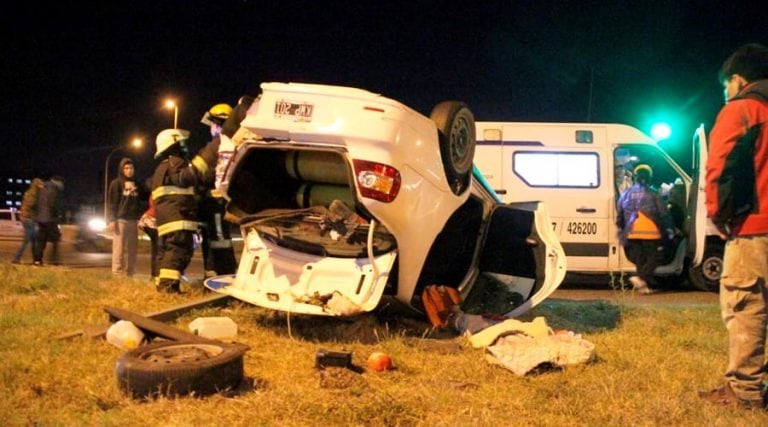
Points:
point(377, 181)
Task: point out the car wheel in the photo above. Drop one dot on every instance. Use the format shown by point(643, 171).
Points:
point(178, 368)
point(456, 134)
point(706, 276)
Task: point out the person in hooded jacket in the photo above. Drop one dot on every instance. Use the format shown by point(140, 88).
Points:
point(124, 208)
point(173, 190)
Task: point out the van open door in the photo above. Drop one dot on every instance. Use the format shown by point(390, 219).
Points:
point(696, 200)
point(705, 249)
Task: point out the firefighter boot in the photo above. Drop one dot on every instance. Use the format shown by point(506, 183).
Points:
point(168, 286)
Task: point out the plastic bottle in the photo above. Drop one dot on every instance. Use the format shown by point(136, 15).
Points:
point(217, 328)
point(124, 335)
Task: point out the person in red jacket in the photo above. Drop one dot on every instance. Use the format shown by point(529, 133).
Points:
point(737, 203)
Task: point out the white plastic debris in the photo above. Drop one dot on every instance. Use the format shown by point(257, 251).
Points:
point(124, 335)
point(216, 328)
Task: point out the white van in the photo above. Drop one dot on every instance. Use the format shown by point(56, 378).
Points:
point(579, 169)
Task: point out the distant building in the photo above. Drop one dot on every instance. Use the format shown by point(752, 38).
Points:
point(12, 188)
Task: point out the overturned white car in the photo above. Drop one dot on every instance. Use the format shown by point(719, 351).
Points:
point(344, 196)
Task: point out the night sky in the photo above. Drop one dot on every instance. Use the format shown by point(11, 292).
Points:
point(80, 78)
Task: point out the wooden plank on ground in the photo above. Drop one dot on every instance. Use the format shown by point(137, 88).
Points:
point(154, 327)
point(215, 300)
point(100, 332)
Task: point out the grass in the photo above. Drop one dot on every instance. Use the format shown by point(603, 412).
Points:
point(650, 363)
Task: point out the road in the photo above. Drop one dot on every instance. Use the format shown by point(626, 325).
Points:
point(580, 288)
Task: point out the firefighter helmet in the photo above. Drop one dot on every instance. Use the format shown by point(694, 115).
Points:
point(216, 115)
point(168, 138)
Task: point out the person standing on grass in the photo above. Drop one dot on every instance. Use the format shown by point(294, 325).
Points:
point(737, 203)
point(124, 210)
point(27, 214)
point(217, 248)
point(173, 190)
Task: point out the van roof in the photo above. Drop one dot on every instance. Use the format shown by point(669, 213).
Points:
point(561, 134)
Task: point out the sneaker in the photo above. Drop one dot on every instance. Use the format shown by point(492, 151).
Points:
point(725, 396)
point(38, 263)
point(640, 286)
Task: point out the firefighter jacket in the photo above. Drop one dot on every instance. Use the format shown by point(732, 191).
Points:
point(643, 215)
point(173, 189)
point(737, 167)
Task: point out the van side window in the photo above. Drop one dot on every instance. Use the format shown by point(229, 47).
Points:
point(537, 169)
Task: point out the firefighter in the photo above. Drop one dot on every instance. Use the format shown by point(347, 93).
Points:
point(173, 189)
point(218, 252)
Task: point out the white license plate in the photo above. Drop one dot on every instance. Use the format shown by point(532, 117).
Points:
point(297, 111)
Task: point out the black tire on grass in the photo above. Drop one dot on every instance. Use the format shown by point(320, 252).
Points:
point(174, 368)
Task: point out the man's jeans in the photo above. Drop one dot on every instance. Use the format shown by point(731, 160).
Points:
point(30, 237)
point(744, 308)
point(124, 245)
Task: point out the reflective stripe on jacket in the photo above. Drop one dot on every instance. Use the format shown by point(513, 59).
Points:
point(173, 190)
point(640, 199)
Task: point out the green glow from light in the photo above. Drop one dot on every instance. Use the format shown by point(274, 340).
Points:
point(661, 131)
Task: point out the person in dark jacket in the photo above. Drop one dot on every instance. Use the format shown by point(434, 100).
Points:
point(173, 190)
point(125, 197)
point(28, 213)
point(645, 225)
point(48, 218)
point(737, 202)
point(217, 248)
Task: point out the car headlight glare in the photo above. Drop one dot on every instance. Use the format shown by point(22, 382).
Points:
point(97, 224)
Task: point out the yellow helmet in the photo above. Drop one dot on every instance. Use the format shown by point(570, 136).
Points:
point(217, 115)
point(168, 138)
point(643, 168)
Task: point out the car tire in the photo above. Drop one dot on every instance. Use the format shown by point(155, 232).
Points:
point(173, 368)
point(456, 135)
point(706, 276)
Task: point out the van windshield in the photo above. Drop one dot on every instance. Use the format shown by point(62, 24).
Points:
point(335, 231)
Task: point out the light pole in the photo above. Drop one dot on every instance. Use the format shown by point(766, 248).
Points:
point(136, 143)
point(172, 104)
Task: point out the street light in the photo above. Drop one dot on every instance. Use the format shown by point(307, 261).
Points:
point(172, 104)
point(136, 143)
